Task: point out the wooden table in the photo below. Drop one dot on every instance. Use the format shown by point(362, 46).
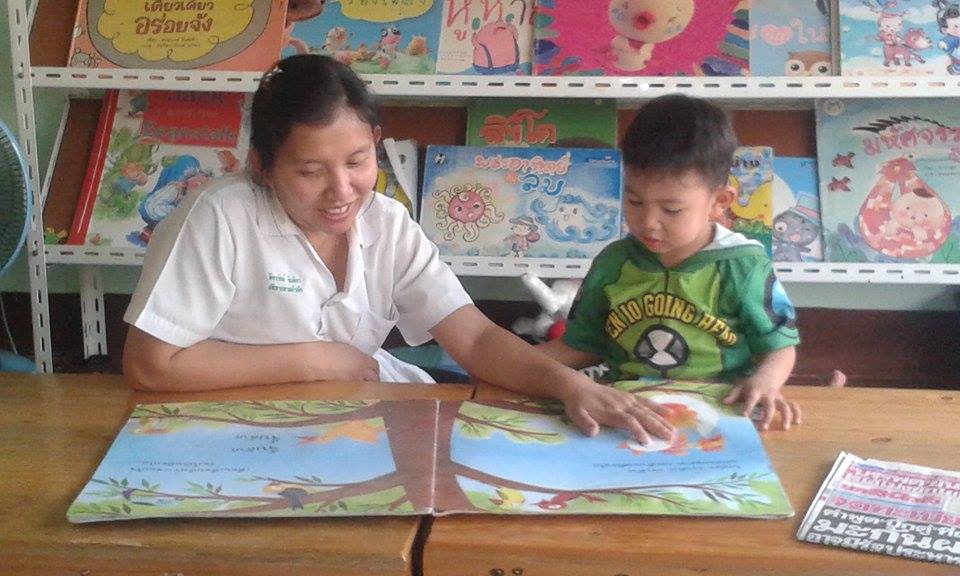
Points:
point(918, 426)
point(55, 429)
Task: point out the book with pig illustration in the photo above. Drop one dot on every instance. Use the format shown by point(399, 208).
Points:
point(488, 37)
point(642, 38)
point(521, 202)
point(369, 457)
point(901, 37)
point(888, 180)
point(371, 37)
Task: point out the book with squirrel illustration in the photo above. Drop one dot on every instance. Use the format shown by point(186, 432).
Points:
point(369, 457)
point(178, 35)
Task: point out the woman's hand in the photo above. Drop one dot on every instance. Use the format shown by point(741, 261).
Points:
point(590, 404)
point(339, 361)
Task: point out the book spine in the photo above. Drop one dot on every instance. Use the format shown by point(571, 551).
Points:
point(91, 179)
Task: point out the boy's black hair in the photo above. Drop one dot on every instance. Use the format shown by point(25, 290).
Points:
point(945, 11)
point(304, 89)
point(676, 133)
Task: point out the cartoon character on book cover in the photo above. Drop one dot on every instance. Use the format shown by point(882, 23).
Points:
point(751, 212)
point(534, 202)
point(888, 180)
point(373, 37)
point(486, 37)
point(796, 203)
point(642, 38)
point(899, 37)
point(790, 38)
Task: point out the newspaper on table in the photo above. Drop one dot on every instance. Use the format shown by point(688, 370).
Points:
point(887, 508)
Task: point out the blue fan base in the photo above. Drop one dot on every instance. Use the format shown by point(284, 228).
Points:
point(10, 362)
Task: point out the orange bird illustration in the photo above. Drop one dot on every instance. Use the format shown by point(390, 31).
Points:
point(560, 499)
point(358, 430)
point(712, 444)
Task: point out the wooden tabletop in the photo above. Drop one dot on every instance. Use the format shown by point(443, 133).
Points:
point(54, 430)
point(917, 426)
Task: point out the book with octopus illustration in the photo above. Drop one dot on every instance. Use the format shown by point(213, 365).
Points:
point(370, 37)
point(899, 37)
point(521, 202)
point(888, 180)
point(641, 38)
point(377, 458)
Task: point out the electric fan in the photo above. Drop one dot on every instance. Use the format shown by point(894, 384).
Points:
point(14, 221)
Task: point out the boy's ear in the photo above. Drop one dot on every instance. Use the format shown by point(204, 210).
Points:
point(722, 199)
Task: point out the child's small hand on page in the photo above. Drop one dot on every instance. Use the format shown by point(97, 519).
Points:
point(592, 404)
point(760, 393)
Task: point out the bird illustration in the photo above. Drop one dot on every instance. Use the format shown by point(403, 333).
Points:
point(292, 493)
point(358, 430)
point(845, 160)
point(560, 499)
point(835, 185)
point(508, 498)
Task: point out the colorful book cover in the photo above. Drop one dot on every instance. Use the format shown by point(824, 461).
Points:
point(178, 35)
point(751, 212)
point(373, 37)
point(888, 180)
point(899, 37)
point(642, 38)
point(797, 235)
point(489, 37)
point(390, 458)
point(151, 148)
point(574, 123)
point(533, 202)
point(790, 38)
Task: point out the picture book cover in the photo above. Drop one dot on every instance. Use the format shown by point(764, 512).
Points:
point(369, 457)
point(899, 37)
point(790, 38)
point(178, 35)
point(521, 202)
point(486, 37)
point(751, 212)
point(797, 234)
point(888, 180)
point(575, 123)
point(642, 38)
point(151, 148)
point(372, 37)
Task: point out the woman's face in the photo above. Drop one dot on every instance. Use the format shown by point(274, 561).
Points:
point(323, 174)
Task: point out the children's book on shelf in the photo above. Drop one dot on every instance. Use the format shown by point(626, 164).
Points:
point(888, 180)
point(642, 38)
point(397, 172)
point(406, 457)
point(178, 35)
point(751, 212)
point(371, 37)
point(486, 37)
point(901, 37)
point(521, 202)
point(790, 38)
point(577, 123)
point(797, 236)
point(889, 508)
point(151, 148)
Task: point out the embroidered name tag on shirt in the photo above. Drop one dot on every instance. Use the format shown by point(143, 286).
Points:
point(284, 283)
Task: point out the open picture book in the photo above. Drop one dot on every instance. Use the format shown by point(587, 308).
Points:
point(410, 457)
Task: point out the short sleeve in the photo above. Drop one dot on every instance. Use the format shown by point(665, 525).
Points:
point(186, 284)
point(425, 289)
point(768, 316)
point(585, 323)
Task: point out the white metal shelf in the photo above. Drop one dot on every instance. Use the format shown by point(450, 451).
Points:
point(750, 88)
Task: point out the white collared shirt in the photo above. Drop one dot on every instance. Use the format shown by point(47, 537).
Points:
point(230, 265)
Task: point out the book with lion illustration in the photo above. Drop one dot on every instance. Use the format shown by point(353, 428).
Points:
point(371, 37)
point(888, 180)
point(407, 457)
point(521, 202)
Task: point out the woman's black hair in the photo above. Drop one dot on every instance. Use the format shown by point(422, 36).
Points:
point(304, 89)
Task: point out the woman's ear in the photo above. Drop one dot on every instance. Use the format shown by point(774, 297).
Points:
point(723, 197)
point(377, 132)
point(255, 166)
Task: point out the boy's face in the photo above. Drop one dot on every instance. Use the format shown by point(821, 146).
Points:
point(952, 28)
point(672, 214)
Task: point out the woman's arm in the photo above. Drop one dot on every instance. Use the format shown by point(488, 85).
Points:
point(152, 364)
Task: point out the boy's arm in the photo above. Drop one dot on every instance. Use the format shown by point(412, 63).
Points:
point(497, 356)
point(152, 364)
point(764, 388)
point(567, 355)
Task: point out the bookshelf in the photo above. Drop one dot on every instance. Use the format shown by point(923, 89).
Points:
point(39, 40)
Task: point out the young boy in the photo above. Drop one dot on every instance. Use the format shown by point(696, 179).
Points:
point(682, 297)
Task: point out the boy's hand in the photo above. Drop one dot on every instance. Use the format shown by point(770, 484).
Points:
point(756, 392)
point(592, 404)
